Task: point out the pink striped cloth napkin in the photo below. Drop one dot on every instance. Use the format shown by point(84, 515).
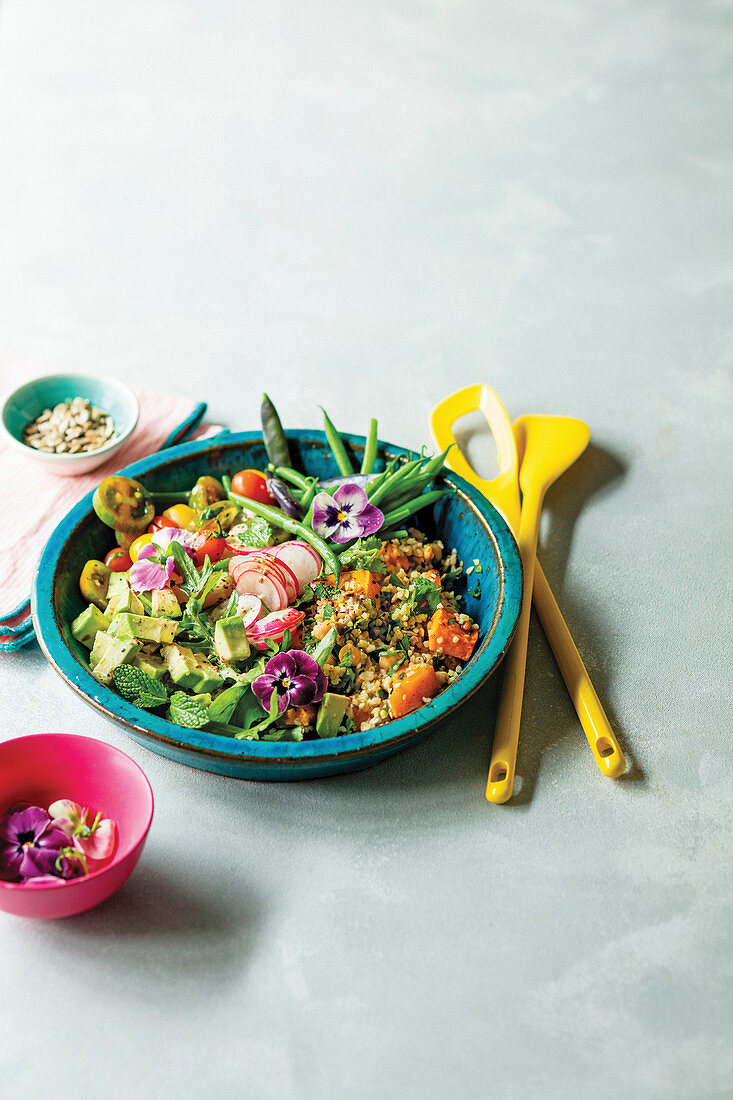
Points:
point(33, 501)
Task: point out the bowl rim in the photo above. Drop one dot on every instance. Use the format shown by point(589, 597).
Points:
point(121, 854)
point(211, 747)
point(114, 444)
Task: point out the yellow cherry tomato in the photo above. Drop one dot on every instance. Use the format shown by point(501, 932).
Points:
point(183, 516)
point(138, 544)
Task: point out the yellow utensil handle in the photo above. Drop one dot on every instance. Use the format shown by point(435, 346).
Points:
point(503, 764)
point(596, 727)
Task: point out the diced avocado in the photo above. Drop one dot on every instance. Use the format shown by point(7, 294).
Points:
point(85, 626)
point(330, 714)
point(209, 678)
point(144, 627)
point(118, 583)
point(181, 666)
point(230, 639)
point(204, 699)
point(164, 604)
point(127, 602)
point(119, 652)
point(150, 664)
point(101, 643)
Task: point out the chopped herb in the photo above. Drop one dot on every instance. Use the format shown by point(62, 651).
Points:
point(327, 612)
point(324, 591)
point(258, 533)
point(364, 554)
point(476, 592)
point(424, 596)
point(395, 580)
point(347, 661)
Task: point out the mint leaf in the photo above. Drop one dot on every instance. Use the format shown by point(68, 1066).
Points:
point(323, 591)
point(188, 712)
point(258, 533)
point(138, 687)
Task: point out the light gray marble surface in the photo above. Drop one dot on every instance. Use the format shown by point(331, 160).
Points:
point(369, 205)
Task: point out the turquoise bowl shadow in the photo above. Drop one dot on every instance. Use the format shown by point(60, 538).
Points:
point(464, 520)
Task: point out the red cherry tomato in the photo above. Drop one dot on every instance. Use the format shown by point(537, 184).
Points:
point(253, 485)
point(118, 560)
point(207, 547)
point(158, 522)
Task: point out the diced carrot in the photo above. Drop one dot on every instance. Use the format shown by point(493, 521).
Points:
point(363, 582)
point(434, 576)
point(446, 636)
point(410, 690)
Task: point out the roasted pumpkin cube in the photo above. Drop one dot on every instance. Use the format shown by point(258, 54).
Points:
point(445, 635)
point(412, 688)
point(363, 582)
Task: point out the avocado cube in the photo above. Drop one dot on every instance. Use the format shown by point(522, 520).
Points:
point(150, 664)
point(86, 626)
point(209, 678)
point(181, 667)
point(230, 639)
point(143, 627)
point(164, 604)
point(118, 583)
point(127, 601)
point(101, 642)
point(330, 714)
point(119, 652)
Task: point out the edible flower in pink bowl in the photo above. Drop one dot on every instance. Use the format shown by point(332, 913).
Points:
point(57, 857)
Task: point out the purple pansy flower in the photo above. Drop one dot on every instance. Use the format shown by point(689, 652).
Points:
point(294, 676)
point(31, 845)
point(346, 515)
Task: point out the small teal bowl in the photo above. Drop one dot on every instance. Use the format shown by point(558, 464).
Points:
point(26, 403)
point(464, 520)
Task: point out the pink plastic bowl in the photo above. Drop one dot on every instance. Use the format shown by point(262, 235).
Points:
point(46, 766)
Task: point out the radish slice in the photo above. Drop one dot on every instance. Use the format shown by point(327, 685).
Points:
point(301, 561)
point(292, 586)
point(268, 589)
point(250, 608)
point(272, 627)
point(303, 546)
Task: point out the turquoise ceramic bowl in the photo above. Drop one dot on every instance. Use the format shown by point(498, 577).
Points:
point(26, 403)
point(464, 520)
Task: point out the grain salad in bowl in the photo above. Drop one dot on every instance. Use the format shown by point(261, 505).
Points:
point(276, 606)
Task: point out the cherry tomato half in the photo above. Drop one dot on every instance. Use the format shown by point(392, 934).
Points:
point(205, 492)
point(138, 545)
point(118, 560)
point(182, 516)
point(253, 485)
point(209, 546)
point(159, 522)
point(122, 503)
point(93, 583)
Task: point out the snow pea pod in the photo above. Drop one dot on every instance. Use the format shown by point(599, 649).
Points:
point(283, 497)
point(274, 438)
point(337, 446)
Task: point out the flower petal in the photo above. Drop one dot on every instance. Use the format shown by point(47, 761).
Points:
point(325, 515)
point(146, 575)
point(351, 498)
point(101, 843)
point(347, 530)
point(370, 520)
point(166, 535)
point(64, 807)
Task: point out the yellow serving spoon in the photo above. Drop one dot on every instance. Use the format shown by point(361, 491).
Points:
point(503, 492)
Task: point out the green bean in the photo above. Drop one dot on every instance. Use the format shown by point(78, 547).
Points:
point(403, 494)
point(294, 477)
point(435, 465)
point(171, 496)
point(293, 526)
point(310, 494)
point(412, 506)
point(337, 447)
point(274, 438)
point(400, 478)
point(370, 449)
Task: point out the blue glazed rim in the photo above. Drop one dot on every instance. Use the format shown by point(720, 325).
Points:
point(205, 750)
